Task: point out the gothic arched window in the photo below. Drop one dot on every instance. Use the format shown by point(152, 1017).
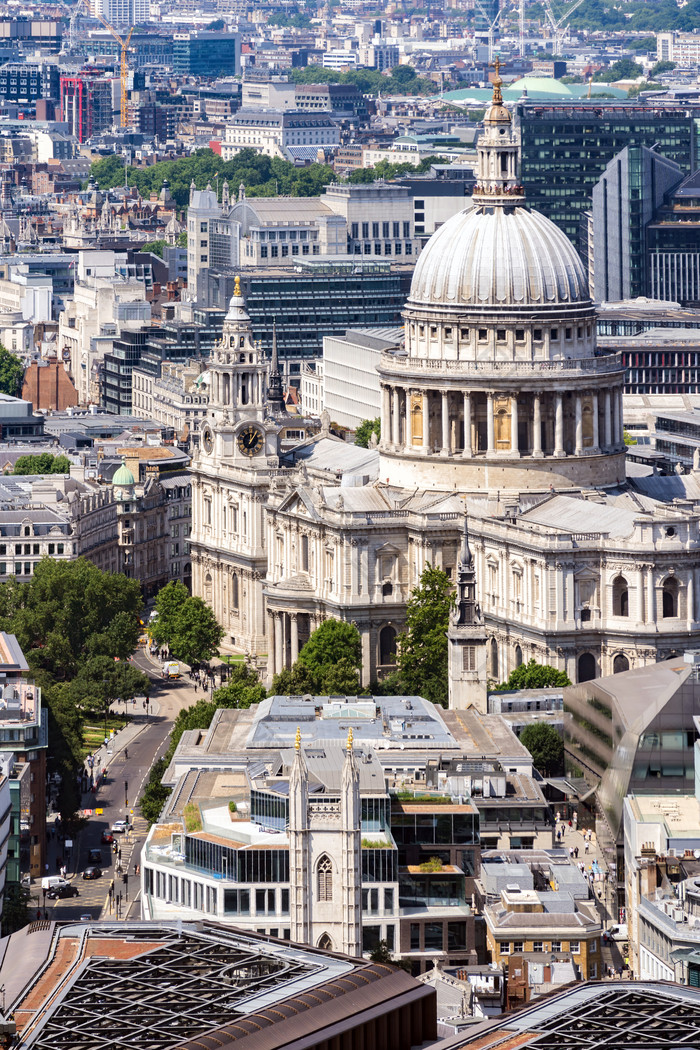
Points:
point(324, 875)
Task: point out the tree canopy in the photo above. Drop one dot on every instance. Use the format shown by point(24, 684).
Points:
point(384, 169)
point(534, 676)
point(11, 373)
point(186, 625)
point(365, 430)
point(403, 80)
point(330, 662)
point(546, 747)
point(422, 648)
point(42, 463)
point(72, 621)
point(262, 176)
point(156, 247)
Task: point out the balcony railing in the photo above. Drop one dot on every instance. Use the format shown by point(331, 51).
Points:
point(576, 366)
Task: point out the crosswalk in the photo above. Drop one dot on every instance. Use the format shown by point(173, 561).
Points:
point(130, 845)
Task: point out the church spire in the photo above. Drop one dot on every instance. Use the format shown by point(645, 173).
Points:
point(466, 637)
point(275, 393)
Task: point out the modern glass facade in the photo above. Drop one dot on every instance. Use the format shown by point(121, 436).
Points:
point(206, 54)
point(566, 148)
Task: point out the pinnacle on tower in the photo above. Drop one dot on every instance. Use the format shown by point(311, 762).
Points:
point(275, 393)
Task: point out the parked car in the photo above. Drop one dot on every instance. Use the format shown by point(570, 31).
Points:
point(119, 827)
point(619, 933)
point(60, 892)
point(86, 916)
point(92, 872)
point(94, 856)
point(107, 837)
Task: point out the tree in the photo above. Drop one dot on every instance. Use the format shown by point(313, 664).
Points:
point(546, 747)
point(42, 463)
point(169, 602)
point(664, 66)
point(156, 247)
point(535, 676)
point(243, 688)
point(198, 634)
point(623, 69)
point(365, 430)
point(155, 794)
point(330, 662)
point(422, 648)
point(11, 373)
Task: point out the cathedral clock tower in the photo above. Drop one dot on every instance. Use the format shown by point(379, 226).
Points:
point(238, 450)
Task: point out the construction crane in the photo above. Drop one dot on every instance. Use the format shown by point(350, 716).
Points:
point(491, 26)
point(124, 63)
point(559, 29)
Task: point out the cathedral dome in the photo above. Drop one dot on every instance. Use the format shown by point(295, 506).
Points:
point(498, 257)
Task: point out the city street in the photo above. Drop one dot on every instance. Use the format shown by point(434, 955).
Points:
point(146, 739)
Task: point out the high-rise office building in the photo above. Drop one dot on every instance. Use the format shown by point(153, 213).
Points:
point(203, 54)
point(566, 147)
point(86, 103)
point(625, 199)
point(123, 12)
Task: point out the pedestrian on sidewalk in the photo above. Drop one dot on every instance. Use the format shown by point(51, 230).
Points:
point(586, 847)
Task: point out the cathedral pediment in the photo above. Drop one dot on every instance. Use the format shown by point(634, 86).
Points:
point(299, 502)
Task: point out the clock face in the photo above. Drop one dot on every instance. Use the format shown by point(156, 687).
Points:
point(250, 440)
point(208, 440)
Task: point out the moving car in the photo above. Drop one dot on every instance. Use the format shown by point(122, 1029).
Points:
point(107, 837)
point(619, 933)
point(52, 882)
point(92, 872)
point(95, 856)
point(119, 827)
point(60, 892)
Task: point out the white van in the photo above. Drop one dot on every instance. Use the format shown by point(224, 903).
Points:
point(53, 882)
point(619, 933)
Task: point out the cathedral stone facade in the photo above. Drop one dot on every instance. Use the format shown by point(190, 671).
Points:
point(496, 406)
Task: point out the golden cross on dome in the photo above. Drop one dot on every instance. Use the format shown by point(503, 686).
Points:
point(497, 82)
point(237, 286)
point(297, 740)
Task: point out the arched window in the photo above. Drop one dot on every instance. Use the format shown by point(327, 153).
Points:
point(621, 602)
point(207, 589)
point(586, 667)
point(234, 592)
point(324, 876)
point(518, 656)
point(493, 658)
point(325, 943)
point(620, 664)
point(670, 597)
point(387, 589)
point(387, 645)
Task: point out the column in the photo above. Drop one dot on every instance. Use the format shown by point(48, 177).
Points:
point(490, 433)
point(295, 635)
point(579, 426)
point(426, 421)
point(607, 433)
point(621, 419)
point(616, 418)
point(514, 442)
point(271, 661)
point(596, 433)
point(559, 427)
point(395, 426)
point(386, 413)
point(467, 451)
point(537, 428)
point(445, 424)
point(408, 432)
point(690, 611)
point(279, 659)
point(651, 596)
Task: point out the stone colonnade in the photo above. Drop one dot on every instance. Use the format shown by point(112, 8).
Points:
point(484, 422)
point(288, 632)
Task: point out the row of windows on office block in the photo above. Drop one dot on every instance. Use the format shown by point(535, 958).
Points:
point(366, 249)
point(387, 230)
point(31, 548)
point(517, 947)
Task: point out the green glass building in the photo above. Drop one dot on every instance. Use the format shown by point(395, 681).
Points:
point(202, 54)
point(567, 145)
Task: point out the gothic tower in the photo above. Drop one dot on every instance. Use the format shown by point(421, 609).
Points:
point(466, 638)
point(351, 854)
point(299, 890)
